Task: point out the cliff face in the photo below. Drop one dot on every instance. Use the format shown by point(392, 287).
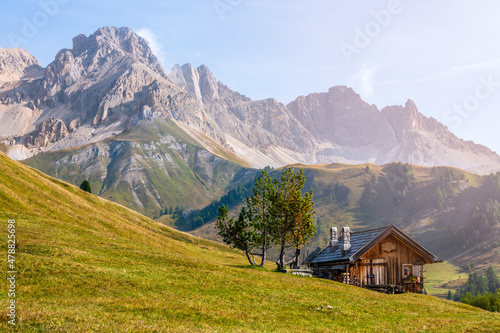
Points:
point(263, 130)
point(47, 132)
point(360, 132)
point(109, 81)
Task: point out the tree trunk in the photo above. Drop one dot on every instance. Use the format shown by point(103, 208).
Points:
point(263, 261)
point(297, 254)
point(264, 249)
point(249, 259)
point(281, 262)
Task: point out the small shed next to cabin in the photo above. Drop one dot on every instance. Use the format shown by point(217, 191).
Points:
point(383, 258)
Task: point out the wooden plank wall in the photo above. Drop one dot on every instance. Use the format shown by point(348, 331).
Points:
point(402, 254)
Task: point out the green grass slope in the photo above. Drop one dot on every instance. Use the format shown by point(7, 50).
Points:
point(442, 278)
point(89, 265)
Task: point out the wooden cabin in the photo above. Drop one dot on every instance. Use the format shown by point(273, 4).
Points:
point(384, 259)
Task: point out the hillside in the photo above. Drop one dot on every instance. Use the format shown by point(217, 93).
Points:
point(434, 205)
point(86, 264)
point(150, 167)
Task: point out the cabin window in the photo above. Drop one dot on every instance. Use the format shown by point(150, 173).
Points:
point(417, 270)
point(407, 271)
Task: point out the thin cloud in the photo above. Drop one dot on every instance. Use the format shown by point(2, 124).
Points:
point(363, 80)
point(154, 43)
point(492, 63)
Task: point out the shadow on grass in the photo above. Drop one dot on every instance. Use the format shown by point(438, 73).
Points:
point(249, 267)
point(257, 268)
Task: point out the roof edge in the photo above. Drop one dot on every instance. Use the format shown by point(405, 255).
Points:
point(405, 238)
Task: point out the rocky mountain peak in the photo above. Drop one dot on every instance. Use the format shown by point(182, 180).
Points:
point(411, 106)
point(192, 79)
point(16, 64)
point(208, 85)
point(198, 82)
point(106, 50)
point(343, 93)
point(109, 81)
point(123, 41)
point(339, 115)
point(101, 75)
point(405, 117)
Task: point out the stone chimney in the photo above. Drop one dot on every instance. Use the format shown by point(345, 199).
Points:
point(334, 241)
point(346, 239)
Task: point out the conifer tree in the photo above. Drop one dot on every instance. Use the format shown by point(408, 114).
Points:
point(260, 212)
point(293, 214)
point(85, 185)
point(238, 234)
point(493, 282)
point(276, 214)
point(303, 228)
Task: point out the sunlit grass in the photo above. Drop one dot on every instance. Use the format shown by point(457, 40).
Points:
point(442, 277)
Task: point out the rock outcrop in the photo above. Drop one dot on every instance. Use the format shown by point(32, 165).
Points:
point(47, 132)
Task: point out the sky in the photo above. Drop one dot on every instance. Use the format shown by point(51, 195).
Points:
point(444, 55)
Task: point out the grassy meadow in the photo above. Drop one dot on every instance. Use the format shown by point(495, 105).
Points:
point(441, 277)
point(89, 265)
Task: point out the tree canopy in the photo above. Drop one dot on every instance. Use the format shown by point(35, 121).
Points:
point(239, 234)
point(277, 213)
point(293, 225)
point(260, 212)
point(85, 185)
point(482, 291)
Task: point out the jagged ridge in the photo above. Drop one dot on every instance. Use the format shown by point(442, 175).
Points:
point(111, 80)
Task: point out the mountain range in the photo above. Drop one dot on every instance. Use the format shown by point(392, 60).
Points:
point(110, 81)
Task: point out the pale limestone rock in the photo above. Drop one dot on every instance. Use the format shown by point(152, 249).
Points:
point(17, 64)
point(47, 132)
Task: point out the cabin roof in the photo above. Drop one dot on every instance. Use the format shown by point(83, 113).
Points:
point(362, 241)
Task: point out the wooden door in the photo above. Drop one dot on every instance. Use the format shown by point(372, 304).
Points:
point(373, 272)
point(379, 271)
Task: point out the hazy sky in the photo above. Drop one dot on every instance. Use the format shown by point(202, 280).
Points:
point(444, 55)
